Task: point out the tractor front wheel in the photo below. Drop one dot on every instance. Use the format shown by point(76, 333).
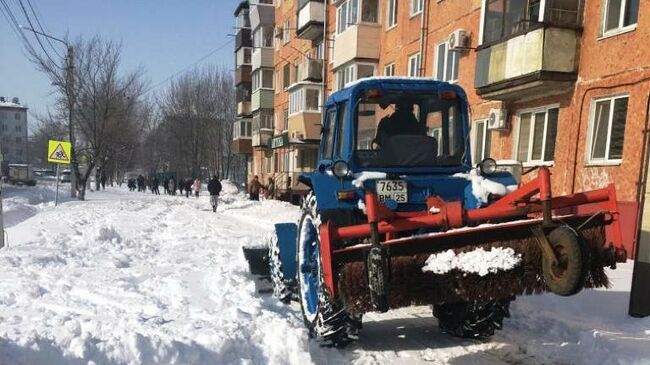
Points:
point(474, 320)
point(324, 317)
point(566, 276)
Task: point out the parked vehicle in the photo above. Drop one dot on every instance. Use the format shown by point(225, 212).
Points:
point(394, 186)
point(64, 176)
point(21, 174)
point(44, 174)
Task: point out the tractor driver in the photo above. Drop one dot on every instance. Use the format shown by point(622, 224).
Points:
point(402, 121)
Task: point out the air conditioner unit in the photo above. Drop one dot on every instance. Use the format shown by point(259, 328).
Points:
point(298, 135)
point(458, 40)
point(497, 119)
point(278, 32)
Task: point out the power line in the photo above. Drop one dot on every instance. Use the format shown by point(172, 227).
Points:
point(16, 27)
point(22, 6)
point(188, 67)
point(43, 29)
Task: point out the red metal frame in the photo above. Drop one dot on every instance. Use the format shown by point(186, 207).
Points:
point(527, 201)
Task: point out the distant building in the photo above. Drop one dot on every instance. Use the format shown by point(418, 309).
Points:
point(13, 131)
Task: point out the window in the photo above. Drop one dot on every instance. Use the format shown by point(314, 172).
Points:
point(262, 78)
point(19, 128)
point(417, 6)
point(243, 20)
point(414, 65)
point(482, 141)
point(619, 15)
point(312, 100)
point(369, 11)
point(327, 136)
point(285, 119)
point(342, 17)
point(247, 56)
point(506, 17)
point(19, 140)
point(304, 99)
point(447, 63)
point(17, 116)
point(365, 70)
point(318, 52)
point(349, 73)
point(286, 31)
point(391, 15)
point(286, 75)
point(263, 120)
point(351, 12)
point(242, 128)
point(537, 132)
point(389, 70)
point(607, 129)
point(263, 37)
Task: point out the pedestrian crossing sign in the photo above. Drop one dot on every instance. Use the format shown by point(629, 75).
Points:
point(59, 152)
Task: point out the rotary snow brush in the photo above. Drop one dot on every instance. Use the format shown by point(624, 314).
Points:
point(560, 250)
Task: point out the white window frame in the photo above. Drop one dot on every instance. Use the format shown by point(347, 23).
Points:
point(475, 152)
point(590, 137)
point(414, 71)
point(532, 111)
point(258, 79)
point(349, 19)
point(389, 69)
point(444, 67)
point(621, 28)
point(353, 69)
point(298, 99)
point(286, 31)
point(416, 7)
point(391, 13)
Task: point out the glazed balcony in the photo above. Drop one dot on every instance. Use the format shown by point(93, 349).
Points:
point(243, 75)
point(310, 70)
point(305, 111)
point(243, 108)
point(357, 41)
point(262, 99)
point(262, 138)
point(540, 62)
point(311, 18)
point(262, 14)
point(262, 57)
point(243, 39)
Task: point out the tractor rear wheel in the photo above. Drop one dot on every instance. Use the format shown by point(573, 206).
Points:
point(324, 317)
point(472, 319)
point(567, 277)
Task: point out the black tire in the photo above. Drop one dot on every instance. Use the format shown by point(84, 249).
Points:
point(475, 320)
point(568, 277)
point(329, 325)
point(283, 289)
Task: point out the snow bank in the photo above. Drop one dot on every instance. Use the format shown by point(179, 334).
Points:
point(477, 261)
point(22, 202)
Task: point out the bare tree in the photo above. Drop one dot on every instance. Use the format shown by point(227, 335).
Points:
point(105, 105)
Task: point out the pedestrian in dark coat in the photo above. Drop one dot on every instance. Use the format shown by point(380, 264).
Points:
point(172, 186)
point(103, 180)
point(254, 189)
point(154, 185)
point(188, 187)
point(214, 188)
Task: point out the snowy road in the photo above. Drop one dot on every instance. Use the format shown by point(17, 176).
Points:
point(130, 278)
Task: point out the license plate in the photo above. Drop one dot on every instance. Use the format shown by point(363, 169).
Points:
point(392, 189)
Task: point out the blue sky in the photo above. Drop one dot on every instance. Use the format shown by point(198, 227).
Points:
point(162, 36)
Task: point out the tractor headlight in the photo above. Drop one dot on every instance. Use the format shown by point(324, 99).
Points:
point(488, 166)
point(340, 169)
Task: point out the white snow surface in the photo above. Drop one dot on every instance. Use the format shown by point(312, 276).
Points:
point(132, 278)
point(361, 177)
point(482, 187)
point(477, 261)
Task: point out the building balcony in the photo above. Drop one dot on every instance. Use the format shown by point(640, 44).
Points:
point(243, 56)
point(262, 138)
point(305, 126)
point(311, 17)
point(541, 62)
point(358, 41)
point(262, 57)
point(243, 92)
point(242, 146)
point(262, 99)
point(310, 70)
point(243, 108)
point(243, 39)
point(305, 111)
point(262, 14)
point(243, 75)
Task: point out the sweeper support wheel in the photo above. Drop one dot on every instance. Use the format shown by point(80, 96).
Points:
point(565, 275)
point(474, 320)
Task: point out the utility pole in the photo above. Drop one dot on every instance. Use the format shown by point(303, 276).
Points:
point(69, 86)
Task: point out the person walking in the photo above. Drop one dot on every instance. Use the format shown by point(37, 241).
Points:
point(270, 189)
point(254, 189)
point(188, 187)
point(197, 187)
point(172, 186)
point(103, 180)
point(214, 188)
point(154, 185)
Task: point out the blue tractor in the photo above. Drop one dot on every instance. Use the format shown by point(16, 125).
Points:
point(395, 184)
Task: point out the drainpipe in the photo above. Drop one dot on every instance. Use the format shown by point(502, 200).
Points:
point(424, 30)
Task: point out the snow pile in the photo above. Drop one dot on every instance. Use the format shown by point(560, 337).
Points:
point(482, 187)
point(478, 261)
point(22, 202)
point(228, 187)
point(361, 177)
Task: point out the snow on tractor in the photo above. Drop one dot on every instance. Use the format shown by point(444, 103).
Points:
point(398, 216)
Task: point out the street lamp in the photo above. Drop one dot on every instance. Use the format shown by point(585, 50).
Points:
point(69, 85)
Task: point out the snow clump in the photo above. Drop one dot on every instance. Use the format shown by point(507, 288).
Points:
point(478, 261)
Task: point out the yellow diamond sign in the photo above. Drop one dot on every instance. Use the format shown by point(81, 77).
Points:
point(58, 152)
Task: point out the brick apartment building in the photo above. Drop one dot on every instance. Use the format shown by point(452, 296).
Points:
point(560, 83)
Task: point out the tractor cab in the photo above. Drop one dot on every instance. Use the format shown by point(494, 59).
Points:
point(410, 134)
